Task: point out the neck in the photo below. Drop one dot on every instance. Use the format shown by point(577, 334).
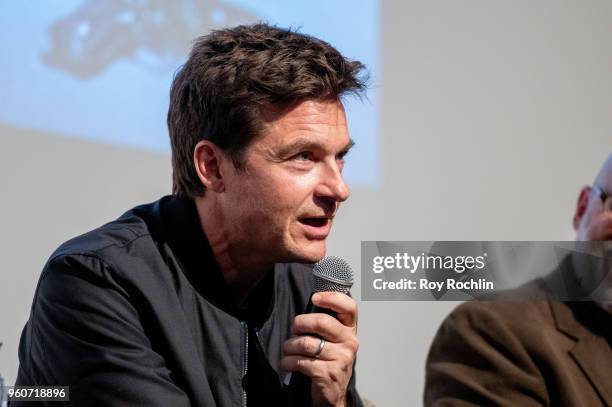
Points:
point(242, 266)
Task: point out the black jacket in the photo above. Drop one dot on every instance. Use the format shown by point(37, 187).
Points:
point(137, 313)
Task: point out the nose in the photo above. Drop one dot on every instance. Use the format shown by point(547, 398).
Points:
point(332, 185)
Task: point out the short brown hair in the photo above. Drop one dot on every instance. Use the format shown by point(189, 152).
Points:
point(232, 74)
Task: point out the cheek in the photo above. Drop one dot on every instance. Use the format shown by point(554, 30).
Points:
point(267, 205)
point(274, 199)
point(289, 193)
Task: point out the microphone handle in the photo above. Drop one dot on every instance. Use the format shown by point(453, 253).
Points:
point(313, 309)
point(298, 383)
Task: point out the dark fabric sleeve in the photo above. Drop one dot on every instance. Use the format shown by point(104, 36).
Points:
point(476, 359)
point(84, 332)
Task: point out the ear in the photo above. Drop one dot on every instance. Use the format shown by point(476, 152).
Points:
point(581, 206)
point(207, 158)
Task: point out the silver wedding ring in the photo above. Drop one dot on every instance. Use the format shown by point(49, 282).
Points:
point(321, 345)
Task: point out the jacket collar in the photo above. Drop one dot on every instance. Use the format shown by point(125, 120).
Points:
point(588, 325)
point(182, 231)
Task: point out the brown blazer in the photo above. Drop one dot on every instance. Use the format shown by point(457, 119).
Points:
point(535, 353)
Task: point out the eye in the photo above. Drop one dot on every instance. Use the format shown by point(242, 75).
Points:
point(303, 156)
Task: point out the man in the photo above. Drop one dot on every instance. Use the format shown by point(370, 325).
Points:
point(534, 353)
point(196, 299)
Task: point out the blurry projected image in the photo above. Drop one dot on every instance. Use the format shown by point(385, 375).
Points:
point(101, 69)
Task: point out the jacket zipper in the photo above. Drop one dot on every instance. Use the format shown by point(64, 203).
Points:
point(245, 360)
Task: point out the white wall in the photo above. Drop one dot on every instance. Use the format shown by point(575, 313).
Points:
point(494, 114)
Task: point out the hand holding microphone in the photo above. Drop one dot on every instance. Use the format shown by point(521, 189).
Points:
point(325, 344)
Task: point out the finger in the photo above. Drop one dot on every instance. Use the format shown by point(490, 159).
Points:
point(322, 325)
point(344, 306)
point(313, 368)
point(309, 346)
point(305, 345)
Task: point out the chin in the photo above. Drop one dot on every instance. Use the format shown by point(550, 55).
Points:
point(309, 253)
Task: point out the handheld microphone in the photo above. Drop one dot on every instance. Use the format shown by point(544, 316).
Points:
point(332, 274)
point(329, 274)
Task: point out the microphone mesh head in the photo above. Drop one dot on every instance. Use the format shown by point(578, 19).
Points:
point(332, 274)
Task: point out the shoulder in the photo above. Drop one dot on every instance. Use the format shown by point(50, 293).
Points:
point(136, 223)
point(484, 324)
point(520, 310)
point(489, 353)
point(107, 262)
point(133, 235)
point(508, 335)
point(475, 315)
point(93, 256)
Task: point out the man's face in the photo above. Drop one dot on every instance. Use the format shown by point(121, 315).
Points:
point(593, 222)
point(283, 202)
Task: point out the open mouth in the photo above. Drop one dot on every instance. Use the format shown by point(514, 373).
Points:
point(315, 222)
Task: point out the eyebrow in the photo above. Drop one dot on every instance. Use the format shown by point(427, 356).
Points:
point(301, 144)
